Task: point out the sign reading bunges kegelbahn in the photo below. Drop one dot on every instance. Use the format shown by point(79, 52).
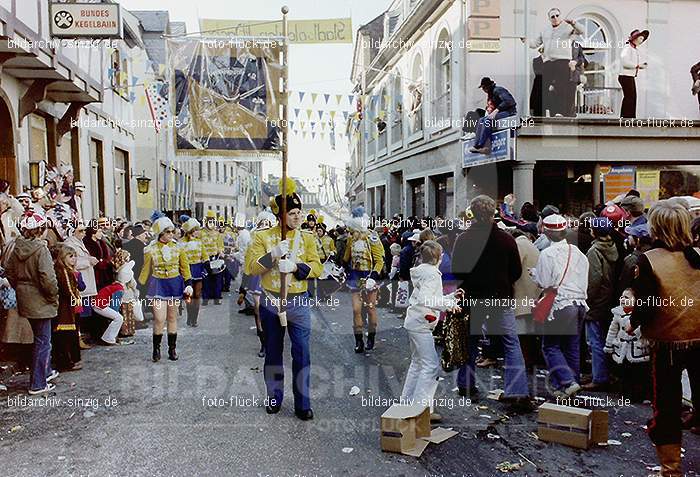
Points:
point(85, 20)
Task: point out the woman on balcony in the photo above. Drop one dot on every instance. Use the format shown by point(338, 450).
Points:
point(631, 64)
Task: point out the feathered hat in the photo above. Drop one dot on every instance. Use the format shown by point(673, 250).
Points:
point(293, 199)
point(189, 223)
point(162, 224)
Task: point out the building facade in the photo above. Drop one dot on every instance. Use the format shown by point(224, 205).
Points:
point(422, 80)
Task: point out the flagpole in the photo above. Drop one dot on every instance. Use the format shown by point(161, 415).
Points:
point(285, 148)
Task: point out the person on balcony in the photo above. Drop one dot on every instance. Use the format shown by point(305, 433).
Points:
point(695, 73)
point(504, 106)
point(557, 40)
point(631, 64)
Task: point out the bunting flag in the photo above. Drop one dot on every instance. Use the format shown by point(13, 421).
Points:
point(323, 135)
point(291, 124)
point(156, 94)
point(313, 98)
point(296, 112)
point(332, 113)
point(308, 113)
point(313, 134)
point(323, 126)
point(303, 124)
point(333, 137)
point(320, 114)
point(303, 134)
point(301, 96)
point(338, 99)
point(350, 97)
point(326, 97)
point(345, 116)
point(313, 125)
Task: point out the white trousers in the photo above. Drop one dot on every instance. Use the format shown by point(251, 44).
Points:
point(421, 379)
point(110, 334)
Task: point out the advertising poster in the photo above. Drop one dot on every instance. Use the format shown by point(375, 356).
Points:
point(618, 181)
point(648, 182)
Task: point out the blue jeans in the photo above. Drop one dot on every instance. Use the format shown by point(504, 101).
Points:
point(299, 329)
point(484, 128)
point(595, 337)
point(41, 353)
point(500, 321)
point(561, 346)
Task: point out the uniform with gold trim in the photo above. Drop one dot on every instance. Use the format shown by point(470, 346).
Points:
point(197, 258)
point(213, 242)
point(264, 259)
point(165, 269)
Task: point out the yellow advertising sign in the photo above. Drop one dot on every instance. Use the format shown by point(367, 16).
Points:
point(330, 30)
point(648, 182)
point(145, 201)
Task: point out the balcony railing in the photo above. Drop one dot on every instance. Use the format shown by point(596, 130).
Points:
point(598, 102)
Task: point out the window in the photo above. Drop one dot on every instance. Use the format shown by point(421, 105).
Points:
point(200, 170)
point(397, 111)
point(225, 174)
point(594, 96)
point(97, 177)
point(443, 77)
point(217, 172)
point(120, 74)
point(208, 171)
point(381, 119)
point(121, 185)
point(415, 114)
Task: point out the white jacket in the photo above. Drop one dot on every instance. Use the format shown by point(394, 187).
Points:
point(633, 348)
point(427, 298)
point(631, 61)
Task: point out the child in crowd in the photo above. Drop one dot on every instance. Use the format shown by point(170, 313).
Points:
point(630, 352)
point(425, 304)
point(64, 337)
point(395, 250)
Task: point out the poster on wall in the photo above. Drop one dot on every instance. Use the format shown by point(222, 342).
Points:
point(648, 182)
point(619, 180)
point(225, 95)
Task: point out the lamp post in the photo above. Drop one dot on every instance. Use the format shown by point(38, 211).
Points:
point(34, 174)
point(142, 182)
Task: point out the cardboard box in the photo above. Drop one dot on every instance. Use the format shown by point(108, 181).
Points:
point(572, 426)
point(405, 429)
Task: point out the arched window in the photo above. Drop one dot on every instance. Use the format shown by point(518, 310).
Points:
point(397, 110)
point(382, 118)
point(415, 88)
point(597, 93)
point(443, 77)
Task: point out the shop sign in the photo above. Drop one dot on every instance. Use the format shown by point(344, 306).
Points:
point(618, 181)
point(648, 182)
point(85, 20)
point(501, 150)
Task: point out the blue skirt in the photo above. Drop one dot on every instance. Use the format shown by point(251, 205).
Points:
point(197, 271)
point(166, 288)
point(354, 279)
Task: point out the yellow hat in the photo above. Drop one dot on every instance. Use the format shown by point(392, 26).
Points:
point(211, 214)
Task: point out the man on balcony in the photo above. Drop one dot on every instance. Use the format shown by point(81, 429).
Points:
point(503, 106)
point(557, 40)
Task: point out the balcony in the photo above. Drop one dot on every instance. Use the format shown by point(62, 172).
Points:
point(442, 110)
point(598, 102)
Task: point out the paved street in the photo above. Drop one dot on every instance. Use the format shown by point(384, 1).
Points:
point(164, 418)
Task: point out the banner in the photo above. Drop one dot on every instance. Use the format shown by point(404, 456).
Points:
point(331, 30)
point(618, 181)
point(648, 182)
point(225, 96)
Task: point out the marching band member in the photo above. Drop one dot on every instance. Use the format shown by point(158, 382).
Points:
point(297, 258)
point(214, 245)
point(197, 258)
point(167, 272)
point(364, 254)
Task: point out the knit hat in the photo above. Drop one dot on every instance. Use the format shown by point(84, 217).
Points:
point(639, 230)
point(555, 222)
point(633, 204)
point(601, 225)
point(189, 223)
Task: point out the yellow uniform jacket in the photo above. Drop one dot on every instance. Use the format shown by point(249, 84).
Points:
point(326, 246)
point(164, 261)
point(365, 254)
point(213, 242)
point(194, 250)
point(260, 262)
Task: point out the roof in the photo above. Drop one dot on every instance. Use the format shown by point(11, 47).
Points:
point(372, 31)
point(153, 20)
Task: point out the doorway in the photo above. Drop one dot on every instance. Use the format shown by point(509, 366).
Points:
point(8, 160)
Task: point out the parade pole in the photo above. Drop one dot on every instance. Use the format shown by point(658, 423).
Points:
point(285, 149)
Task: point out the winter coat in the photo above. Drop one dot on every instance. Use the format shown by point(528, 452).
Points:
point(104, 271)
point(486, 261)
point(602, 279)
point(525, 290)
point(426, 299)
point(31, 273)
point(623, 346)
point(406, 261)
point(83, 266)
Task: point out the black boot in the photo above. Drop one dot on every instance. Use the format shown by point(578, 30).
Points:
point(192, 314)
point(370, 340)
point(156, 347)
point(172, 343)
point(359, 343)
point(261, 337)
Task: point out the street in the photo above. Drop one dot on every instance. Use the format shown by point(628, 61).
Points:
point(203, 415)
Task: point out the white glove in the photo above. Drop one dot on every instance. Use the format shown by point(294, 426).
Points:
point(286, 266)
point(4, 283)
point(188, 290)
point(370, 283)
point(280, 250)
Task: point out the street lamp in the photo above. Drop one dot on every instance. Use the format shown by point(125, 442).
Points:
point(142, 183)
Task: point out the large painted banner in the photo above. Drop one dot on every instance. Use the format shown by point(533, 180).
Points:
point(329, 30)
point(226, 97)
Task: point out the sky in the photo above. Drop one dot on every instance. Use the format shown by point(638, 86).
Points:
point(313, 68)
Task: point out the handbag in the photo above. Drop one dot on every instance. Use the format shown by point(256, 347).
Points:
point(217, 266)
point(456, 338)
point(543, 307)
point(402, 295)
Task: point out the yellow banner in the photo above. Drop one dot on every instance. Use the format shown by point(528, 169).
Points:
point(331, 30)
